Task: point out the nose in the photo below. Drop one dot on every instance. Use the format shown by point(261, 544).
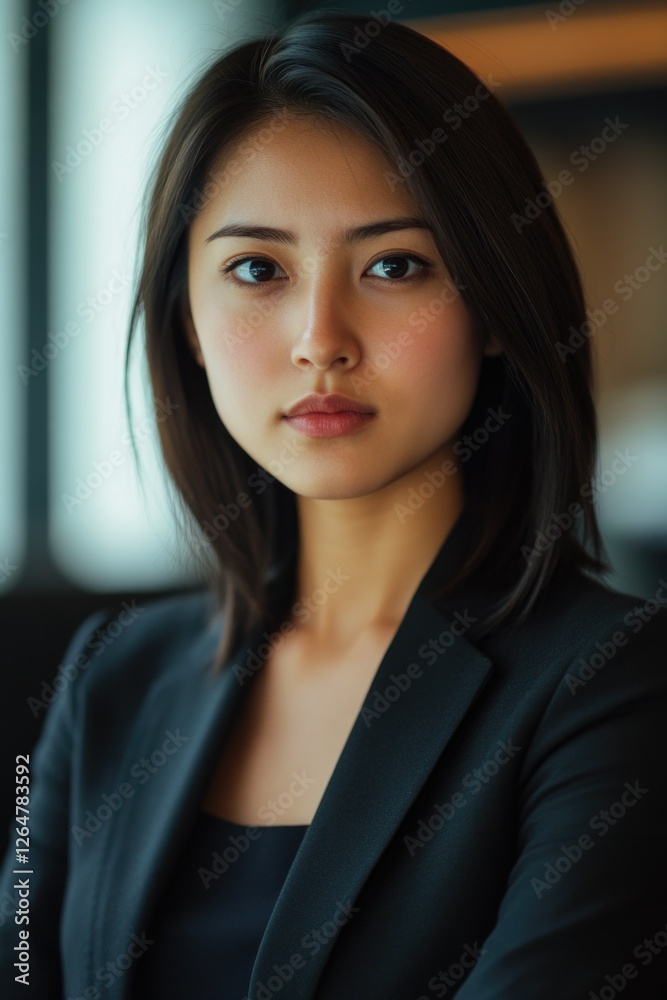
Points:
point(327, 335)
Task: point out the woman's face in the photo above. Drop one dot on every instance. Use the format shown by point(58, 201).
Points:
point(275, 317)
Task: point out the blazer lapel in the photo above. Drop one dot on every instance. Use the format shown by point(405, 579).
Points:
point(398, 736)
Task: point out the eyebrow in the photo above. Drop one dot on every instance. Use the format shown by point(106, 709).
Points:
point(346, 238)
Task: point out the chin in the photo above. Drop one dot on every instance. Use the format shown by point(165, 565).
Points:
point(331, 485)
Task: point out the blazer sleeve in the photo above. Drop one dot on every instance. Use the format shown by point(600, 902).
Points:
point(584, 915)
point(50, 766)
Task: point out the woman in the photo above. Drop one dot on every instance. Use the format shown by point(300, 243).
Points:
point(404, 745)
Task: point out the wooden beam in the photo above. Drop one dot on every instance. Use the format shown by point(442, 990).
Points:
point(541, 51)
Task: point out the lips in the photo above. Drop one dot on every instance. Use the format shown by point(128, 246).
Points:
point(330, 403)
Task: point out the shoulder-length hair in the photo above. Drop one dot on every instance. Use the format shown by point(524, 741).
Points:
point(475, 179)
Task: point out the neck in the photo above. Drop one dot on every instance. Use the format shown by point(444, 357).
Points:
point(361, 559)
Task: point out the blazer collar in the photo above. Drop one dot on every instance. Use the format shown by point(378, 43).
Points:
point(385, 761)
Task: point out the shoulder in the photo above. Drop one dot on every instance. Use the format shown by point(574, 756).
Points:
point(581, 635)
point(114, 658)
point(137, 643)
point(578, 610)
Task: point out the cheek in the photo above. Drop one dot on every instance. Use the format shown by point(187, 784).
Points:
point(234, 331)
point(442, 369)
point(241, 369)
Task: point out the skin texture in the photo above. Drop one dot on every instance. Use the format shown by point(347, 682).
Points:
point(319, 321)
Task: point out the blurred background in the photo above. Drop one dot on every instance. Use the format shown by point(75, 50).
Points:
point(86, 90)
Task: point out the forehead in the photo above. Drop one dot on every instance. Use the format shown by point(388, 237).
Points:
point(302, 175)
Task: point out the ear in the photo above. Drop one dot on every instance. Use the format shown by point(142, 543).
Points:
point(191, 334)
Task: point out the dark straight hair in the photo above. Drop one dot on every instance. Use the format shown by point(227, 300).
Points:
point(472, 175)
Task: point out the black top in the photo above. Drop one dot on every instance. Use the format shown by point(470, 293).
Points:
point(209, 923)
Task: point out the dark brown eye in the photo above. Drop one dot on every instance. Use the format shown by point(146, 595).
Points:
point(258, 269)
point(394, 267)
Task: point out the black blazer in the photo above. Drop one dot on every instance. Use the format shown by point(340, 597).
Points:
point(494, 829)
